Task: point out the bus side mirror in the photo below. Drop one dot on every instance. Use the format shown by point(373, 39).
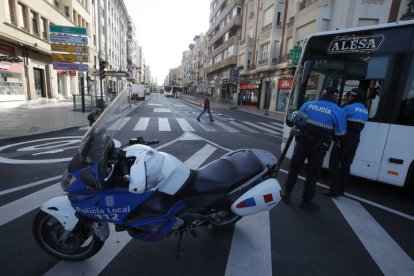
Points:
point(306, 72)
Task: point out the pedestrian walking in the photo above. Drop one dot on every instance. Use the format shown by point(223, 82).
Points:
point(93, 116)
point(343, 151)
point(325, 119)
point(206, 107)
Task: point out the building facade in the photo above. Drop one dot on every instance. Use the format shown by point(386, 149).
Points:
point(24, 35)
point(26, 70)
point(223, 45)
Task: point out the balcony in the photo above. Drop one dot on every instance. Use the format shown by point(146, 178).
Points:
point(230, 61)
point(224, 46)
point(235, 22)
point(230, 5)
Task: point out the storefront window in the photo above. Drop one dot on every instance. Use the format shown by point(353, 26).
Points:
point(11, 85)
point(282, 100)
point(284, 86)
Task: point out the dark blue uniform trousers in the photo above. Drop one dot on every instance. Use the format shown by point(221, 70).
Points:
point(313, 150)
point(340, 161)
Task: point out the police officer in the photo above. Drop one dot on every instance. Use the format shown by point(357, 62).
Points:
point(325, 118)
point(343, 151)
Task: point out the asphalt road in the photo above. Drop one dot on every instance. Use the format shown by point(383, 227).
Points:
point(367, 232)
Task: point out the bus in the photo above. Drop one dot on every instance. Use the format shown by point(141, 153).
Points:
point(380, 60)
point(171, 91)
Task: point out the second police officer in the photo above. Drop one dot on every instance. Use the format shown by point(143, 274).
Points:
point(325, 119)
point(343, 151)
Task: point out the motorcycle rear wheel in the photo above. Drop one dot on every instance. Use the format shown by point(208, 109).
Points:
point(81, 244)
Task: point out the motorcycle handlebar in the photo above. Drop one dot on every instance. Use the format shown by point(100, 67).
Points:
point(151, 142)
point(140, 140)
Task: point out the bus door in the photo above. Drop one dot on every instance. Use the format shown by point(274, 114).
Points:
point(399, 150)
point(368, 157)
point(370, 73)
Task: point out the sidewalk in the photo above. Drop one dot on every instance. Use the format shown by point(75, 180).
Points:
point(23, 118)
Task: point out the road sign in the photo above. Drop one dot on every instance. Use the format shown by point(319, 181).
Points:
point(70, 48)
point(69, 58)
point(234, 75)
point(67, 29)
point(70, 66)
point(295, 53)
point(68, 39)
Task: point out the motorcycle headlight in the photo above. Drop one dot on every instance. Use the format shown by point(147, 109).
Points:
point(67, 179)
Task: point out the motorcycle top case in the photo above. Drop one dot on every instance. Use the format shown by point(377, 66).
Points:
point(261, 197)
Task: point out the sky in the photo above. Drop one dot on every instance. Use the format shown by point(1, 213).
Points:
point(165, 28)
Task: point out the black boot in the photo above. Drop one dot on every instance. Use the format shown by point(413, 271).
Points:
point(286, 197)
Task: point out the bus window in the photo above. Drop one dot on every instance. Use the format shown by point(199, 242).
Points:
point(368, 73)
point(406, 114)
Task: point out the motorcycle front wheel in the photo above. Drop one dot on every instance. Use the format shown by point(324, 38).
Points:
point(80, 244)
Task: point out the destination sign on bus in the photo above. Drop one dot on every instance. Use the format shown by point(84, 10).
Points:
point(355, 44)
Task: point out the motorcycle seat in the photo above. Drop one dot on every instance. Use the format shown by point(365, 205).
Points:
point(222, 175)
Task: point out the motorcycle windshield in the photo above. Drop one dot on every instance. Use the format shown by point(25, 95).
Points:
point(96, 141)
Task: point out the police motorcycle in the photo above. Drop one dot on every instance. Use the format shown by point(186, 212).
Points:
point(148, 193)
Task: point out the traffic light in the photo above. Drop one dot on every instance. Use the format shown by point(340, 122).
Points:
point(102, 65)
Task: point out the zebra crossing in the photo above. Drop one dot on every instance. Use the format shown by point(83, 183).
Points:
point(165, 124)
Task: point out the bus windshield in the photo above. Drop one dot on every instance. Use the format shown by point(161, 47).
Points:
point(343, 73)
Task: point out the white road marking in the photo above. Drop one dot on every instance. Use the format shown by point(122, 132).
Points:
point(22, 187)
point(185, 126)
point(266, 129)
point(207, 126)
point(277, 124)
point(250, 252)
point(198, 158)
point(142, 124)
point(248, 129)
point(157, 110)
point(120, 123)
point(388, 255)
point(64, 141)
point(28, 203)
point(225, 126)
point(280, 129)
point(163, 124)
point(154, 104)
